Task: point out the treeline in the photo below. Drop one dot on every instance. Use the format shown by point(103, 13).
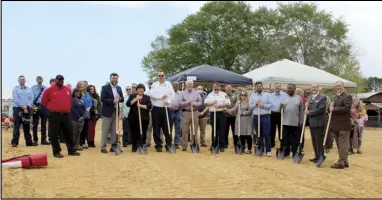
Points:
point(233, 36)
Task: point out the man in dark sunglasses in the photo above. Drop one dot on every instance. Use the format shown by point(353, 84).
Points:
point(126, 138)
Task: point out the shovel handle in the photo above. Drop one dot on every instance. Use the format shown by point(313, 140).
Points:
point(239, 121)
point(193, 125)
point(116, 118)
point(139, 118)
point(258, 121)
point(303, 128)
point(327, 128)
point(167, 119)
point(281, 123)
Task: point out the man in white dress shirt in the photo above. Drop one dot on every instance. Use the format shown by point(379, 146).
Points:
point(161, 94)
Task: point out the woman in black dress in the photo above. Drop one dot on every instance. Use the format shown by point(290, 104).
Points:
point(138, 101)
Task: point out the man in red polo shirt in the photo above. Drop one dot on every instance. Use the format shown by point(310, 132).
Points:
point(58, 100)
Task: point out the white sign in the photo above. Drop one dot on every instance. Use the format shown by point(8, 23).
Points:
point(191, 78)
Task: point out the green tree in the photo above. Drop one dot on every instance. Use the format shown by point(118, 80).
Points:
point(374, 84)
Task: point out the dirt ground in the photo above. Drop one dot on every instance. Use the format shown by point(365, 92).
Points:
point(192, 175)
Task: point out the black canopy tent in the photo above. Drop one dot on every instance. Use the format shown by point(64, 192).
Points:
point(206, 74)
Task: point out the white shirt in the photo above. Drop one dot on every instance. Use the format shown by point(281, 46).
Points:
point(158, 90)
point(220, 98)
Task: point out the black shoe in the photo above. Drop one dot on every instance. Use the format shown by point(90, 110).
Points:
point(204, 145)
point(58, 155)
point(314, 160)
point(104, 151)
point(14, 145)
point(125, 145)
point(74, 153)
point(33, 144)
point(159, 149)
point(112, 150)
point(91, 145)
point(44, 142)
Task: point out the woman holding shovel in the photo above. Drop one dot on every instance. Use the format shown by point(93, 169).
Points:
point(139, 119)
point(244, 121)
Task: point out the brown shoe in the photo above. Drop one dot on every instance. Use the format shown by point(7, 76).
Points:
point(338, 166)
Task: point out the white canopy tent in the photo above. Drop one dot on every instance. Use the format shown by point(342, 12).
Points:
point(286, 72)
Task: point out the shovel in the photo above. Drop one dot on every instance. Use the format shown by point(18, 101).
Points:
point(194, 145)
point(214, 147)
point(259, 150)
point(142, 149)
point(280, 151)
point(299, 156)
point(116, 147)
point(239, 147)
point(172, 148)
point(321, 160)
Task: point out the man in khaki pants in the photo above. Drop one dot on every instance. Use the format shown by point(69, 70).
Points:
point(189, 99)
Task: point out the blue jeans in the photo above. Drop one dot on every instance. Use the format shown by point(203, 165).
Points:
point(176, 117)
point(265, 131)
point(16, 129)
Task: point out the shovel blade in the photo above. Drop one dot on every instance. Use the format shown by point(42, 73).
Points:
point(172, 148)
point(259, 151)
point(215, 150)
point(117, 149)
point(195, 148)
point(278, 154)
point(239, 149)
point(320, 161)
point(142, 149)
point(298, 158)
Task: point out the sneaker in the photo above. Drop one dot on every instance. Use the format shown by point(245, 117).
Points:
point(84, 146)
point(269, 154)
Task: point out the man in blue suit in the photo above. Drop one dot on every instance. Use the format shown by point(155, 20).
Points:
point(111, 95)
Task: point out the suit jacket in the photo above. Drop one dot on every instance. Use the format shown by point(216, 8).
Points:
point(107, 99)
point(133, 113)
point(341, 118)
point(317, 109)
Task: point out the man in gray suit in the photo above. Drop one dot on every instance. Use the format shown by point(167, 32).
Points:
point(316, 108)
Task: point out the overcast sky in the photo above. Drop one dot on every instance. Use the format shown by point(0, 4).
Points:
point(89, 40)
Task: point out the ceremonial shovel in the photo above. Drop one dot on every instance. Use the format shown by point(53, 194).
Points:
point(299, 156)
point(259, 150)
point(280, 151)
point(239, 147)
point(194, 145)
point(141, 148)
point(214, 147)
point(116, 147)
point(172, 148)
point(321, 160)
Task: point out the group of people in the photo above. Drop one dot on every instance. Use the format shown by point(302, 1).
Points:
point(154, 111)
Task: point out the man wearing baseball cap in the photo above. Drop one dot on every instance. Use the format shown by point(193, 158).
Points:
point(58, 100)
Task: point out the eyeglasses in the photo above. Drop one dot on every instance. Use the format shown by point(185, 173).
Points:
point(243, 95)
point(160, 75)
point(128, 89)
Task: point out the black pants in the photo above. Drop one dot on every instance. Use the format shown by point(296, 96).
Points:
point(317, 134)
point(275, 123)
point(291, 139)
point(58, 121)
point(41, 113)
point(127, 137)
point(137, 138)
point(84, 132)
point(221, 120)
point(248, 139)
point(16, 129)
point(230, 122)
point(159, 121)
